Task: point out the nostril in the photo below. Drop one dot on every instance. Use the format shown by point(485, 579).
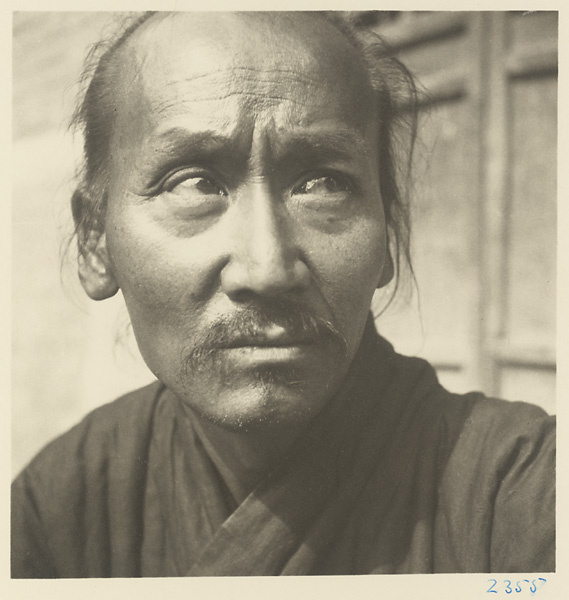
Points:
point(243, 296)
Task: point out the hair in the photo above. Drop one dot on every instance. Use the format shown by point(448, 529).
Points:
point(397, 108)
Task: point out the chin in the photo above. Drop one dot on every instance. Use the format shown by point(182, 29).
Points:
point(263, 406)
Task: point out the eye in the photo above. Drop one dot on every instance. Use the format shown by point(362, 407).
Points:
point(193, 195)
point(200, 185)
point(323, 185)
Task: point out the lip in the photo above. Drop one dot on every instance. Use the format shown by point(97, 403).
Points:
point(257, 354)
point(266, 343)
point(276, 337)
point(274, 346)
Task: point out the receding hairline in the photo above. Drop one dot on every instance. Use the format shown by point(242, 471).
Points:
point(146, 21)
point(312, 29)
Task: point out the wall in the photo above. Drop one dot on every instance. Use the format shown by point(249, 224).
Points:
point(485, 200)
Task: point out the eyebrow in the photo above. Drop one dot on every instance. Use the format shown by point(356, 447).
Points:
point(176, 144)
point(177, 141)
point(321, 145)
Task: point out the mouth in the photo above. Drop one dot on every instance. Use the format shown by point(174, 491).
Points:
point(246, 345)
point(272, 346)
point(276, 337)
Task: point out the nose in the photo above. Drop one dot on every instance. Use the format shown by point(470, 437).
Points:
point(265, 258)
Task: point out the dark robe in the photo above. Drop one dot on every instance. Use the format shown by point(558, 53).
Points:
point(396, 475)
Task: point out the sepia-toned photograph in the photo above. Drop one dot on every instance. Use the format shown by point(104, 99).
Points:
point(283, 293)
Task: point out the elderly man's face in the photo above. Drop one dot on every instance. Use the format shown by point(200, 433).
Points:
point(245, 223)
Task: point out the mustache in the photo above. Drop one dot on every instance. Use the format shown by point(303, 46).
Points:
point(251, 322)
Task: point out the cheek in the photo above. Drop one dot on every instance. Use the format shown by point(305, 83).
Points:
point(160, 278)
point(159, 274)
point(351, 266)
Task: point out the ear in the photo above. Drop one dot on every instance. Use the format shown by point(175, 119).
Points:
point(95, 271)
point(387, 272)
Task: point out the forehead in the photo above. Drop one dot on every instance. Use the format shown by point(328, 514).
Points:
point(222, 71)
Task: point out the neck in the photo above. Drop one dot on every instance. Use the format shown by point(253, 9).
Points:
point(244, 457)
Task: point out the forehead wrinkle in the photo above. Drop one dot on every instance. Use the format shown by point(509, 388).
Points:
point(222, 66)
point(269, 67)
point(269, 39)
point(247, 83)
point(267, 95)
point(263, 101)
point(232, 69)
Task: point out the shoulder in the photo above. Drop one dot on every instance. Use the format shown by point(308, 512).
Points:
point(498, 483)
point(465, 427)
point(109, 430)
point(83, 490)
point(495, 444)
point(468, 418)
point(496, 431)
point(465, 418)
point(480, 436)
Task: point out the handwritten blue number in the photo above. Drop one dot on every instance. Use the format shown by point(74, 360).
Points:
point(533, 587)
point(508, 588)
point(491, 588)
